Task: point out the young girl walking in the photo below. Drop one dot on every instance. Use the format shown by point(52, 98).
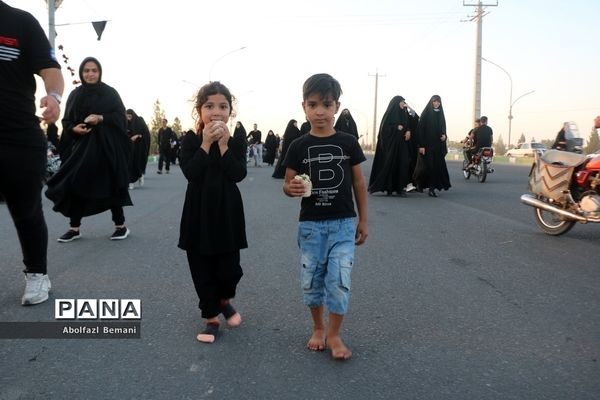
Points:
point(213, 230)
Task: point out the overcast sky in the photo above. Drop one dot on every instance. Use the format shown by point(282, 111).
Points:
point(162, 50)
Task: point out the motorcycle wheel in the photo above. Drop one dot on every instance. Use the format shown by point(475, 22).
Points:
point(466, 172)
point(551, 223)
point(482, 172)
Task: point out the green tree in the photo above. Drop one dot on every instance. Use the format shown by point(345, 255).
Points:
point(155, 125)
point(177, 126)
point(500, 147)
point(593, 144)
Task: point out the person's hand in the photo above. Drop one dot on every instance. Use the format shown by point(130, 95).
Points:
point(407, 136)
point(225, 135)
point(294, 188)
point(400, 127)
point(81, 129)
point(443, 137)
point(213, 131)
point(362, 231)
point(51, 109)
point(93, 119)
point(422, 150)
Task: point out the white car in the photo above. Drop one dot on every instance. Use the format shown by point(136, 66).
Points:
point(526, 150)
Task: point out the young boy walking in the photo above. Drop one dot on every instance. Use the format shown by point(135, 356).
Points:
point(327, 232)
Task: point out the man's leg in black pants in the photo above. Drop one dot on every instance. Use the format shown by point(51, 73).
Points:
point(160, 161)
point(21, 185)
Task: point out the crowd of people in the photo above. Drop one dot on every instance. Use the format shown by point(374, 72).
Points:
point(104, 150)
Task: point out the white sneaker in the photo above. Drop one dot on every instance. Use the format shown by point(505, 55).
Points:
point(410, 187)
point(37, 287)
point(141, 181)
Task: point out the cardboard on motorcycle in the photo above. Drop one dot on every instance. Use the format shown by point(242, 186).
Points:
point(551, 174)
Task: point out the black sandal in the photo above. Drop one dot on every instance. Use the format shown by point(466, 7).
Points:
point(209, 334)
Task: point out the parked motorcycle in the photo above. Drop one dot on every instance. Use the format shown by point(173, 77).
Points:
point(565, 189)
point(481, 164)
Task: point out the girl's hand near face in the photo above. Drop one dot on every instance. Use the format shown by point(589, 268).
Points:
point(224, 139)
point(212, 133)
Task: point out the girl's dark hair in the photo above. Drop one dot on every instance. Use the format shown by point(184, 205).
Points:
point(210, 89)
point(322, 84)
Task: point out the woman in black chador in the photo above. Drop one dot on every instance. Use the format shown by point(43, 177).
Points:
point(94, 173)
point(390, 171)
point(270, 148)
point(239, 130)
point(291, 133)
point(345, 123)
point(138, 133)
point(431, 132)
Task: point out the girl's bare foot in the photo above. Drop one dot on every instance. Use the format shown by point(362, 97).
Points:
point(233, 318)
point(317, 340)
point(339, 351)
point(209, 334)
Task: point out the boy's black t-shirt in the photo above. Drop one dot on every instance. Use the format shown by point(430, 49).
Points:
point(328, 161)
point(24, 51)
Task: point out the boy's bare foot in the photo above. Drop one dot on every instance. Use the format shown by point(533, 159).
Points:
point(339, 351)
point(317, 340)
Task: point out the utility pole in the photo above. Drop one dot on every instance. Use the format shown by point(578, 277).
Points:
point(377, 75)
point(479, 14)
point(51, 23)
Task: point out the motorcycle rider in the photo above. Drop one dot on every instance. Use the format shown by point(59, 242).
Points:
point(469, 141)
point(565, 139)
point(484, 137)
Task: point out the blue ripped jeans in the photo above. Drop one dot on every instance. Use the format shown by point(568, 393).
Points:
point(327, 256)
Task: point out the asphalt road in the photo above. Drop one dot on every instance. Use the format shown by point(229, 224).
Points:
point(456, 297)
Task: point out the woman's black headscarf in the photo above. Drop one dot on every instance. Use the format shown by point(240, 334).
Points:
point(291, 133)
point(346, 123)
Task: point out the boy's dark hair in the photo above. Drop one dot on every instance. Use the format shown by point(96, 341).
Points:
point(483, 120)
point(323, 84)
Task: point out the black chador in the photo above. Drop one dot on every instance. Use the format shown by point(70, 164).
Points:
point(346, 123)
point(140, 146)
point(93, 176)
point(391, 164)
point(291, 133)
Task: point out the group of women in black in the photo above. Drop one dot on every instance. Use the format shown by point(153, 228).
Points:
point(411, 150)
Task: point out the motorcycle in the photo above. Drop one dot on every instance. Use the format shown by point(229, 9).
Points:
point(565, 189)
point(480, 164)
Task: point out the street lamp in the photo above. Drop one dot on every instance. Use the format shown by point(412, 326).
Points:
point(510, 116)
point(219, 59)
point(510, 101)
